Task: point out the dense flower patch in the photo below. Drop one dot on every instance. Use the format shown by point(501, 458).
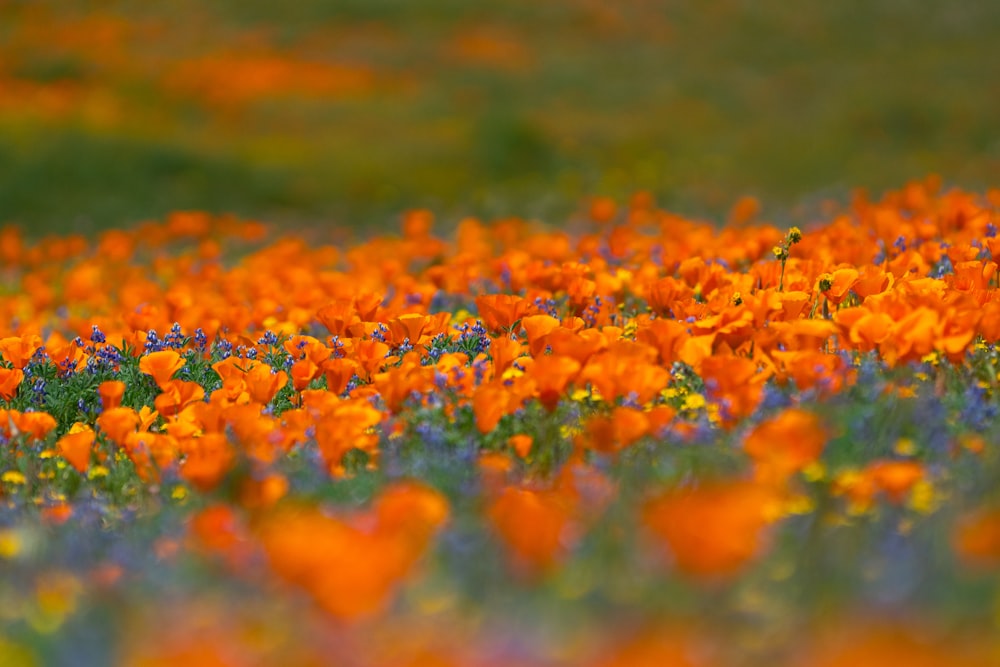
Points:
point(640, 440)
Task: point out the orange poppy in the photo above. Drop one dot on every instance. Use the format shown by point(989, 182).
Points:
point(18, 350)
point(839, 284)
point(712, 530)
point(263, 383)
point(895, 478)
point(735, 384)
point(117, 423)
point(111, 392)
point(499, 312)
point(76, 448)
point(10, 380)
point(338, 316)
point(176, 395)
point(785, 444)
point(36, 424)
point(976, 538)
point(620, 429)
point(161, 365)
point(490, 403)
point(338, 372)
point(521, 443)
point(552, 374)
point(538, 327)
point(538, 527)
point(206, 460)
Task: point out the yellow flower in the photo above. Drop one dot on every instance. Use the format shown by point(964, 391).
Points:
point(694, 402)
point(10, 543)
point(801, 504)
point(79, 427)
point(905, 447)
point(13, 477)
point(814, 472)
point(923, 497)
point(568, 431)
point(97, 471)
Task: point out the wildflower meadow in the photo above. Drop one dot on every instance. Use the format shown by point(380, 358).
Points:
point(634, 439)
point(574, 333)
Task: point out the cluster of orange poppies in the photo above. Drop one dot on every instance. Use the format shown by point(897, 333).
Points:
point(216, 368)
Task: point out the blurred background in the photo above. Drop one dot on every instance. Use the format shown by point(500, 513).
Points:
point(348, 112)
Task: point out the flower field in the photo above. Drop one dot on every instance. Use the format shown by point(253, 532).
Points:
point(637, 439)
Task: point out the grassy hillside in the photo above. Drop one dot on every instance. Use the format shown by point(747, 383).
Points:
point(350, 111)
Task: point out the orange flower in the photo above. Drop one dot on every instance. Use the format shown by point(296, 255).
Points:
point(875, 644)
point(57, 514)
point(219, 530)
point(117, 423)
point(872, 280)
point(603, 209)
point(491, 402)
point(76, 448)
point(839, 284)
point(552, 374)
point(417, 224)
point(177, 394)
point(626, 370)
point(352, 568)
point(580, 346)
point(538, 527)
point(409, 326)
point(347, 427)
point(896, 478)
point(504, 351)
point(813, 368)
point(64, 354)
point(150, 452)
point(665, 293)
point(262, 383)
point(338, 316)
point(36, 424)
point(712, 530)
point(499, 312)
point(667, 336)
point(521, 444)
point(538, 328)
point(161, 365)
point(111, 392)
point(976, 539)
point(206, 460)
point(618, 430)
point(371, 357)
point(866, 330)
point(10, 380)
point(307, 347)
point(339, 373)
point(658, 647)
point(735, 384)
point(18, 350)
point(785, 444)
point(258, 494)
point(397, 385)
point(411, 510)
